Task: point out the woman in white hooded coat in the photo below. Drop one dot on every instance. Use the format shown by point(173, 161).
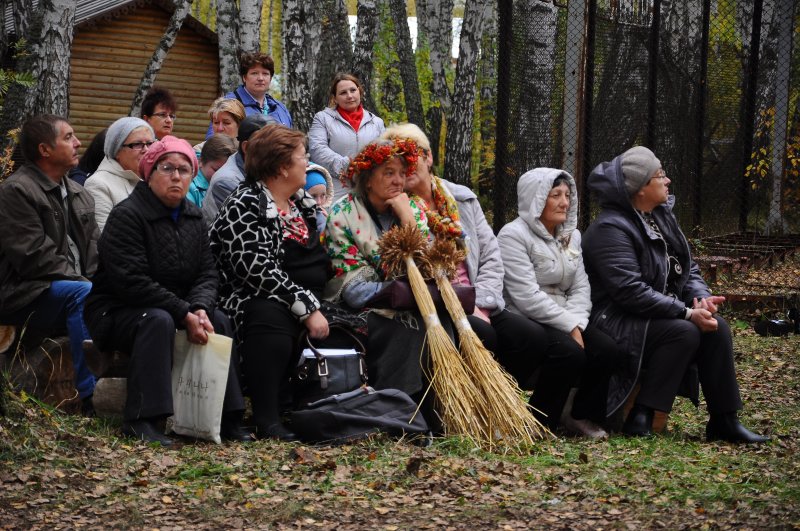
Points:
point(546, 282)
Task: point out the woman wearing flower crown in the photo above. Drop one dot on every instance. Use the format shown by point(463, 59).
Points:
point(453, 212)
point(376, 203)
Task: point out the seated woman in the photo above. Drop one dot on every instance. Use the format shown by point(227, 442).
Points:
point(213, 156)
point(226, 114)
point(157, 274)
point(648, 295)
point(546, 282)
point(377, 202)
point(127, 140)
point(342, 129)
point(272, 268)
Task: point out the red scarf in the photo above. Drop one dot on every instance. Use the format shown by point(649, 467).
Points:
point(353, 117)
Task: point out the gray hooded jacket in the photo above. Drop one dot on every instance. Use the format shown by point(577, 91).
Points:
point(545, 279)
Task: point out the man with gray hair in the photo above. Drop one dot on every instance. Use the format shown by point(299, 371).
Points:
point(48, 242)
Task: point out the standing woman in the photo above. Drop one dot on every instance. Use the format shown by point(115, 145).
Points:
point(127, 140)
point(272, 268)
point(546, 283)
point(157, 274)
point(342, 129)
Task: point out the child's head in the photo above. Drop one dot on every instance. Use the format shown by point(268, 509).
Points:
point(317, 186)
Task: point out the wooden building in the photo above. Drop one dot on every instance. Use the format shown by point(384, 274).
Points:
point(113, 42)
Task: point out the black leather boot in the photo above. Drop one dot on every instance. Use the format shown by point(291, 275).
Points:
point(726, 427)
point(232, 429)
point(145, 430)
point(276, 431)
point(639, 422)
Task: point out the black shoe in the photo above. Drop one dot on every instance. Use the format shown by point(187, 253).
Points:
point(145, 430)
point(276, 431)
point(87, 406)
point(726, 427)
point(233, 430)
point(639, 422)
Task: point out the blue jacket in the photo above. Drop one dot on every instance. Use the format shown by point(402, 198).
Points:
point(272, 107)
point(627, 266)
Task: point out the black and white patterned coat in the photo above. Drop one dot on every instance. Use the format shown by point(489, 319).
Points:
point(247, 244)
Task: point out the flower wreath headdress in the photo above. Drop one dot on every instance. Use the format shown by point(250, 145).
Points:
point(377, 153)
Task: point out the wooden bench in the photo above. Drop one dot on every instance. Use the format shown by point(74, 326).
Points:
point(40, 366)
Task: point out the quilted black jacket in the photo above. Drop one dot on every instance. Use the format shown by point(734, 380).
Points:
point(147, 260)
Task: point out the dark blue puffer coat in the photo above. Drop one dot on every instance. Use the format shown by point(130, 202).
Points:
point(627, 266)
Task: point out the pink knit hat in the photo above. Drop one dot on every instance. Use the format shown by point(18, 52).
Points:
point(168, 144)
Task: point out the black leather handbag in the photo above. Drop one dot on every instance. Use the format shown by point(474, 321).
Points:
point(324, 372)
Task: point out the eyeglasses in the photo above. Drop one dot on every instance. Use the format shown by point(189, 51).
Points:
point(165, 115)
point(140, 146)
point(169, 169)
point(660, 175)
point(305, 157)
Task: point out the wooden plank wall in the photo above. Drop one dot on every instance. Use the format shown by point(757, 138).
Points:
point(109, 57)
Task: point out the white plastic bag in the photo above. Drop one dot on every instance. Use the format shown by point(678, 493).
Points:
point(199, 377)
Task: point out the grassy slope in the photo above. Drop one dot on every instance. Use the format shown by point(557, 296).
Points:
point(60, 471)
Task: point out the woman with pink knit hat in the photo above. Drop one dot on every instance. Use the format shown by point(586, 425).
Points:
point(157, 274)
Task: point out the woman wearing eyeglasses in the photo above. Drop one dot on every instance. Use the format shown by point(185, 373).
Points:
point(156, 273)
point(648, 295)
point(158, 109)
point(126, 142)
point(272, 268)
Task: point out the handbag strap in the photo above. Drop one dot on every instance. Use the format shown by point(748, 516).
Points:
point(322, 362)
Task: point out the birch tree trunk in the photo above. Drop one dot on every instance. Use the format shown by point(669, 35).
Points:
point(366, 31)
point(228, 37)
point(297, 66)
point(269, 27)
point(487, 80)
point(435, 30)
point(336, 52)
point(152, 69)
point(250, 25)
point(21, 11)
point(50, 49)
point(458, 142)
point(407, 65)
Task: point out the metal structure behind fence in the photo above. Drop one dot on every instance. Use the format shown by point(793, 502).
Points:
point(711, 86)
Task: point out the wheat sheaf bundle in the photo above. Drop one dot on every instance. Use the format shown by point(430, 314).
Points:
point(457, 396)
point(510, 421)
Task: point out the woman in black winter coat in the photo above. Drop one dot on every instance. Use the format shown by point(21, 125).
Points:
point(156, 274)
point(647, 294)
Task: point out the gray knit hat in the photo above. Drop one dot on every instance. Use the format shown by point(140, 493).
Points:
point(638, 166)
point(119, 131)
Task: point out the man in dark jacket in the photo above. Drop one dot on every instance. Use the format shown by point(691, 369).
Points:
point(647, 294)
point(48, 241)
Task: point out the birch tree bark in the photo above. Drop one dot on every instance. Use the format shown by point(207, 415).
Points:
point(336, 50)
point(298, 64)
point(487, 80)
point(407, 65)
point(366, 30)
point(250, 25)
point(270, 17)
point(458, 142)
point(50, 49)
point(228, 37)
point(21, 11)
point(435, 30)
point(152, 69)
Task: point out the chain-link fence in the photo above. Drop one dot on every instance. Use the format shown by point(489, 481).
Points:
point(711, 86)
